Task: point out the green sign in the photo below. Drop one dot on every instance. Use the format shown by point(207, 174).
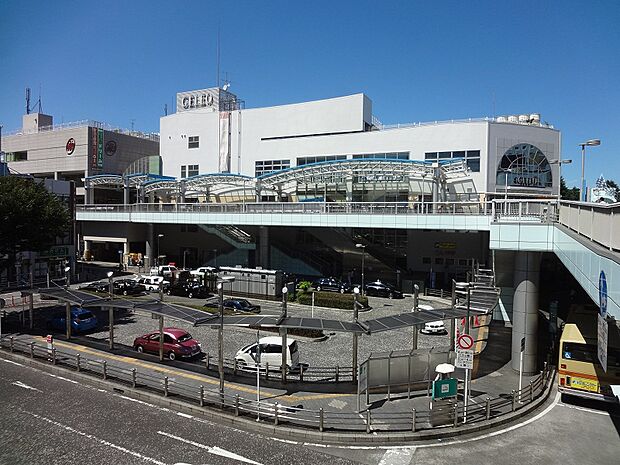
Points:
point(100, 148)
point(56, 251)
point(444, 388)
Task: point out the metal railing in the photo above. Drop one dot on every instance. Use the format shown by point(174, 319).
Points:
point(368, 421)
point(86, 123)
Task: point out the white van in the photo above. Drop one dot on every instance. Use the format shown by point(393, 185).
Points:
point(270, 353)
point(151, 283)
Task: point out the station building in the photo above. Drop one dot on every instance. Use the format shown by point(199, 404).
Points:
point(215, 150)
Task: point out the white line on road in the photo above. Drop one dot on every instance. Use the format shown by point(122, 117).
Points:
point(584, 409)
point(212, 450)
point(11, 362)
point(25, 386)
point(100, 441)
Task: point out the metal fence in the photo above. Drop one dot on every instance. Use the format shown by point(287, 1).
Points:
point(282, 415)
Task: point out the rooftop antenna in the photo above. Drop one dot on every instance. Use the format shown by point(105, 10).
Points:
point(165, 109)
point(493, 97)
point(218, 55)
point(133, 120)
point(27, 100)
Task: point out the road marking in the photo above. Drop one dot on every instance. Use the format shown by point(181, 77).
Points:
point(60, 377)
point(11, 362)
point(584, 409)
point(25, 386)
point(212, 450)
point(95, 438)
point(184, 415)
point(397, 456)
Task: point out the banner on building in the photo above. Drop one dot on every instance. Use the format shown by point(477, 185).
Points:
point(224, 155)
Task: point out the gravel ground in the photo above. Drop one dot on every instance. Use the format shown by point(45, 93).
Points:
point(335, 350)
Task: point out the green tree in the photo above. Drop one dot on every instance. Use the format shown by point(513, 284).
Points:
point(615, 187)
point(566, 193)
point(30, 218)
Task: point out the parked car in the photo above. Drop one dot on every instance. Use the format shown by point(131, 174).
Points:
point(434, 327)
point(380, 289)
point(81, 320)
point(97, 286)
point(203, 270)
point(270, 353)
point(236, 305)
point(128, 287)
point(178, 343)
point(167, 271)
point(189, 289)
point(331, 284)
point(152, 283)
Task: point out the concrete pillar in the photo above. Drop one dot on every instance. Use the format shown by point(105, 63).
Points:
point(126, 191)
point(264, 258)
point(525, 310)
point(88, 247)
point(349, 190)
point(148, 262)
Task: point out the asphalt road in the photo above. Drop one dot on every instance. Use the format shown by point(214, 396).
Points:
point(50, 420)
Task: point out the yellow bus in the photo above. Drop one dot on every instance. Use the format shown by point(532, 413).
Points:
point(579, 371)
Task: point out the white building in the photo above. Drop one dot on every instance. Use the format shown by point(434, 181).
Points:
point(212, 132)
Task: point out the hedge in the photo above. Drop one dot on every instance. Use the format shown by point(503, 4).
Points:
point(331, 300)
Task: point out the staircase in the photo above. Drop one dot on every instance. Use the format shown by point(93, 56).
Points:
point(232, 235)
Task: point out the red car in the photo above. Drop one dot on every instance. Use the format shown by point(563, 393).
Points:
point(177, 343)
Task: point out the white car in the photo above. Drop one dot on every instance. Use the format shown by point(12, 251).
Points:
point(203, 270)
point(270, 353)
point(152, 283)
point(432, 327)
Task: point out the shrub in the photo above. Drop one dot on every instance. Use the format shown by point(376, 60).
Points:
point(304, 286)
point(331, 300)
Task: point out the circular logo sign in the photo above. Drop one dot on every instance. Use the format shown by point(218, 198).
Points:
point(110, 148)
point(70, 147)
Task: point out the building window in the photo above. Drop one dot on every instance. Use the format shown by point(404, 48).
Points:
point(430, 156)
point(16, 156)
point(192, 170)
point(474, 164)
point(193, 142)
point(318, 159)
point(183, 171)
point(384, 156)
point(472, 157)
point(269, 166)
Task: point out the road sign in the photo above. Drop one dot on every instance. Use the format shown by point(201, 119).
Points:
point(602, 294)
point(602, 342)
point(464, 359)
point(443, 388)
point(465, 342)
point(50, 344)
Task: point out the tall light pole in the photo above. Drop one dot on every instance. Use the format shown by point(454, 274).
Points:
point(283, 332)
point(363, 247)
point(589, 143)
point(220, 362)
point(111, 309)
point(159, 236)
point(560, 162)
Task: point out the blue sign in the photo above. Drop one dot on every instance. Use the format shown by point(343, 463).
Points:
point(602, 294)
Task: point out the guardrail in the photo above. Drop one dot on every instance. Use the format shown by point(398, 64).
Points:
point(597, 222)
point(542, 210)
point(368, 421)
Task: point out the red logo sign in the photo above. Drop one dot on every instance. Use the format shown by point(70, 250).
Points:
point(70, 147)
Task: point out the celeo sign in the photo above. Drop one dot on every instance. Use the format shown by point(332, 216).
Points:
point(206, 98)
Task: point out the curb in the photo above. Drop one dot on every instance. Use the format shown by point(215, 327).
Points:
point(282, 432)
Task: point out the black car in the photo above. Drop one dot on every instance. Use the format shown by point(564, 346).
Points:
point(377, 288)
point(97, 286)
point(128, 287)
point(331, 284)
point(236, 305)
point(189, 289)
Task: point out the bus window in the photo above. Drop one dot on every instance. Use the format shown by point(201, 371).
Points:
point(579, 352)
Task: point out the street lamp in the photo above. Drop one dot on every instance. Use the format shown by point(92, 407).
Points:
point(220, 362)
point(159, 236)
point(363, 247)
point(589, 143)
point(111, 309)
point(185, 252)
point(560, 163)
point(67, 275)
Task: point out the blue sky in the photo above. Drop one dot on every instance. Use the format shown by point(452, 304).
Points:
point(118, 61)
